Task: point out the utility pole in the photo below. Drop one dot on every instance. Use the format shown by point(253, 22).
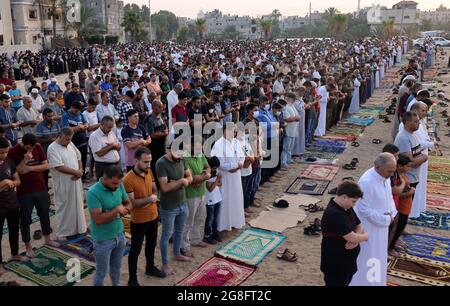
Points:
point(401, 22)
point(310, 19)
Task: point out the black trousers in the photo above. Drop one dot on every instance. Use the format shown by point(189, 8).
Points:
point(139, 231)
point(100, 168)
point(13, 219)
point(84, 153)
point(333, 280)
point(401, 225)
point(348, 101)
point(337, 113)
point(267, 172)
point(41, 201)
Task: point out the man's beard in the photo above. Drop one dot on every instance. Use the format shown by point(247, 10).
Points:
point(145, 170)
point(112, 189)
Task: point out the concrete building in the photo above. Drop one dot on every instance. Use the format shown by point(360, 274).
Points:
point(6, 26)
point(32, 24)
point(403, 13)
point(216, 22)
point(293, 22)
point(440, 15)
point(110, 14)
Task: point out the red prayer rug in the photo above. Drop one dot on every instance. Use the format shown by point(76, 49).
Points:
point(320, 172)
point(218, 272)
point(439, 202)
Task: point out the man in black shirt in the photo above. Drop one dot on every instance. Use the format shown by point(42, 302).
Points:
point(342, 233)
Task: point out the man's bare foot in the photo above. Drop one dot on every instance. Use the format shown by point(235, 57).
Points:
point(52, 243)
point(188, 253)
point(30, 254)
point(400, 244)
point(20, 258)
point(182, 258)
point(201, 244)
point(2, 270)
point(167, 270)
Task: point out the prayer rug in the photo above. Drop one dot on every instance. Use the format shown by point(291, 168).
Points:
point(127, 226)
point(305, 186)
point(331, 143)
point(431, 247)
point(83, 247)
point(48, 268)
point(427, 271)
point(432, 220)
point(327, 149)
point(436, 188)
point(251, 246)
point(360, 121)
point(391, 284)
point(438, 160)
point(348, 138)
point(439, 177)
point(320, 172)
point(438, 202)
point(321, 157)
point(218, 272)
point(438, 168)
point(34, 219)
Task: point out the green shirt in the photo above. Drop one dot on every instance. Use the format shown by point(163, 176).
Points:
point(196, 165)
point(98, 196)
point(173, 171)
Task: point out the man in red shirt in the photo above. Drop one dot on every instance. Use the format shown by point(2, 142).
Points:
point(31, 164)
point(180, 114)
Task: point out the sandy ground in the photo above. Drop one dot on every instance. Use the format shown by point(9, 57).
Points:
point(272, 271)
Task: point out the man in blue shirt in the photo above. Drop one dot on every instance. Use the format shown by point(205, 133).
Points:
point(16, 97)
point(8, 119)
point(269, 123)
point(106, 84)
point(74, 119)
point(53, 86)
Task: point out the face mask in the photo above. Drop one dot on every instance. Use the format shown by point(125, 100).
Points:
point(267, 107)
point(255, 114)
point(277, 113)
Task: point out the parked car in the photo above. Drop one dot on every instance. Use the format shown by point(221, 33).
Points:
point(438, 41)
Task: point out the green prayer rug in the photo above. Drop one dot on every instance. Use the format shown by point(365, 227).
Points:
point(48, 268)
point(251, 246)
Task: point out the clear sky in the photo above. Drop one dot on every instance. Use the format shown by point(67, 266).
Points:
point(190, 8)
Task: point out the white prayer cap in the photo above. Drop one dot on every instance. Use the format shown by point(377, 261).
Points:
point(34, 90)
point(409, 77)
point(53, 80)
point(316, 75)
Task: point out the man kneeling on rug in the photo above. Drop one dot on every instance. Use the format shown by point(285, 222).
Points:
point(342, 233)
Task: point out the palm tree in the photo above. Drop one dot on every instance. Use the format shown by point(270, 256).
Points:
point(200, 27)
point(276, 14)
point(330, 12)
point(87, 26)
point(266, 26)
point(410, 31)
point(132, 24)
point(388, 28)
point(338, 24)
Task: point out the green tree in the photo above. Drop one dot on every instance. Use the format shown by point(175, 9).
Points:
point(132, 24)
point(357, 28)
point(427, 25)
point(338, 24)
point(201, 27)
point(276, 16)
point(266, 26)
point(87, 26)
point(165, 25)
point(411, 31)
point(329, 13)
point(388, 28)
point(183, 34)
point(230, 32)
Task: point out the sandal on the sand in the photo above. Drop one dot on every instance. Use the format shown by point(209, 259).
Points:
point(348, 178)
point(317, 224)
point(287, 255)
point(355, 144)
point(312, 208)
point(386, 120)
point(348, 167)
point(311, 159)
point(376, 141)
point(311, 231)
point(37, 235)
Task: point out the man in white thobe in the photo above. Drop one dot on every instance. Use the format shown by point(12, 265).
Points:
point(66, 168)
point(376, 210)
point(172, 100)
point(231, 157)
point(324, 97)
point(420, 196)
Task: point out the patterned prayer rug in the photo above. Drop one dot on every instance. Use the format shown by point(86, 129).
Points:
point(360, 121)
point(431, 247)
point(305, 186)
point(330, 143)
point(34, 219)
point(432, 220)
point(251, 246)
point(321, 157)
point(438, 202)
point(348, 138)
point(439, 160)
point(327, 149)
point(127, 226)
point(48, 268)
point(218, 272)
point(320, 172)
point(439, 177)
point(436, 188)
point(427, 271)
point(83, 247)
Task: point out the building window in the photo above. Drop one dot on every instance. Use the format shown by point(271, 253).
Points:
point(32, 14)
point(1, 40)
point(109, 5)
point(406, 17)
point(35, 38)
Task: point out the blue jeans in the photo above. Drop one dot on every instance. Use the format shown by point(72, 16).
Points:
point(247, 186)
point(286, 155)
point(212, 216)
point(108, 258)
point(256, 179)
point(174, 221)
point(311, 126)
